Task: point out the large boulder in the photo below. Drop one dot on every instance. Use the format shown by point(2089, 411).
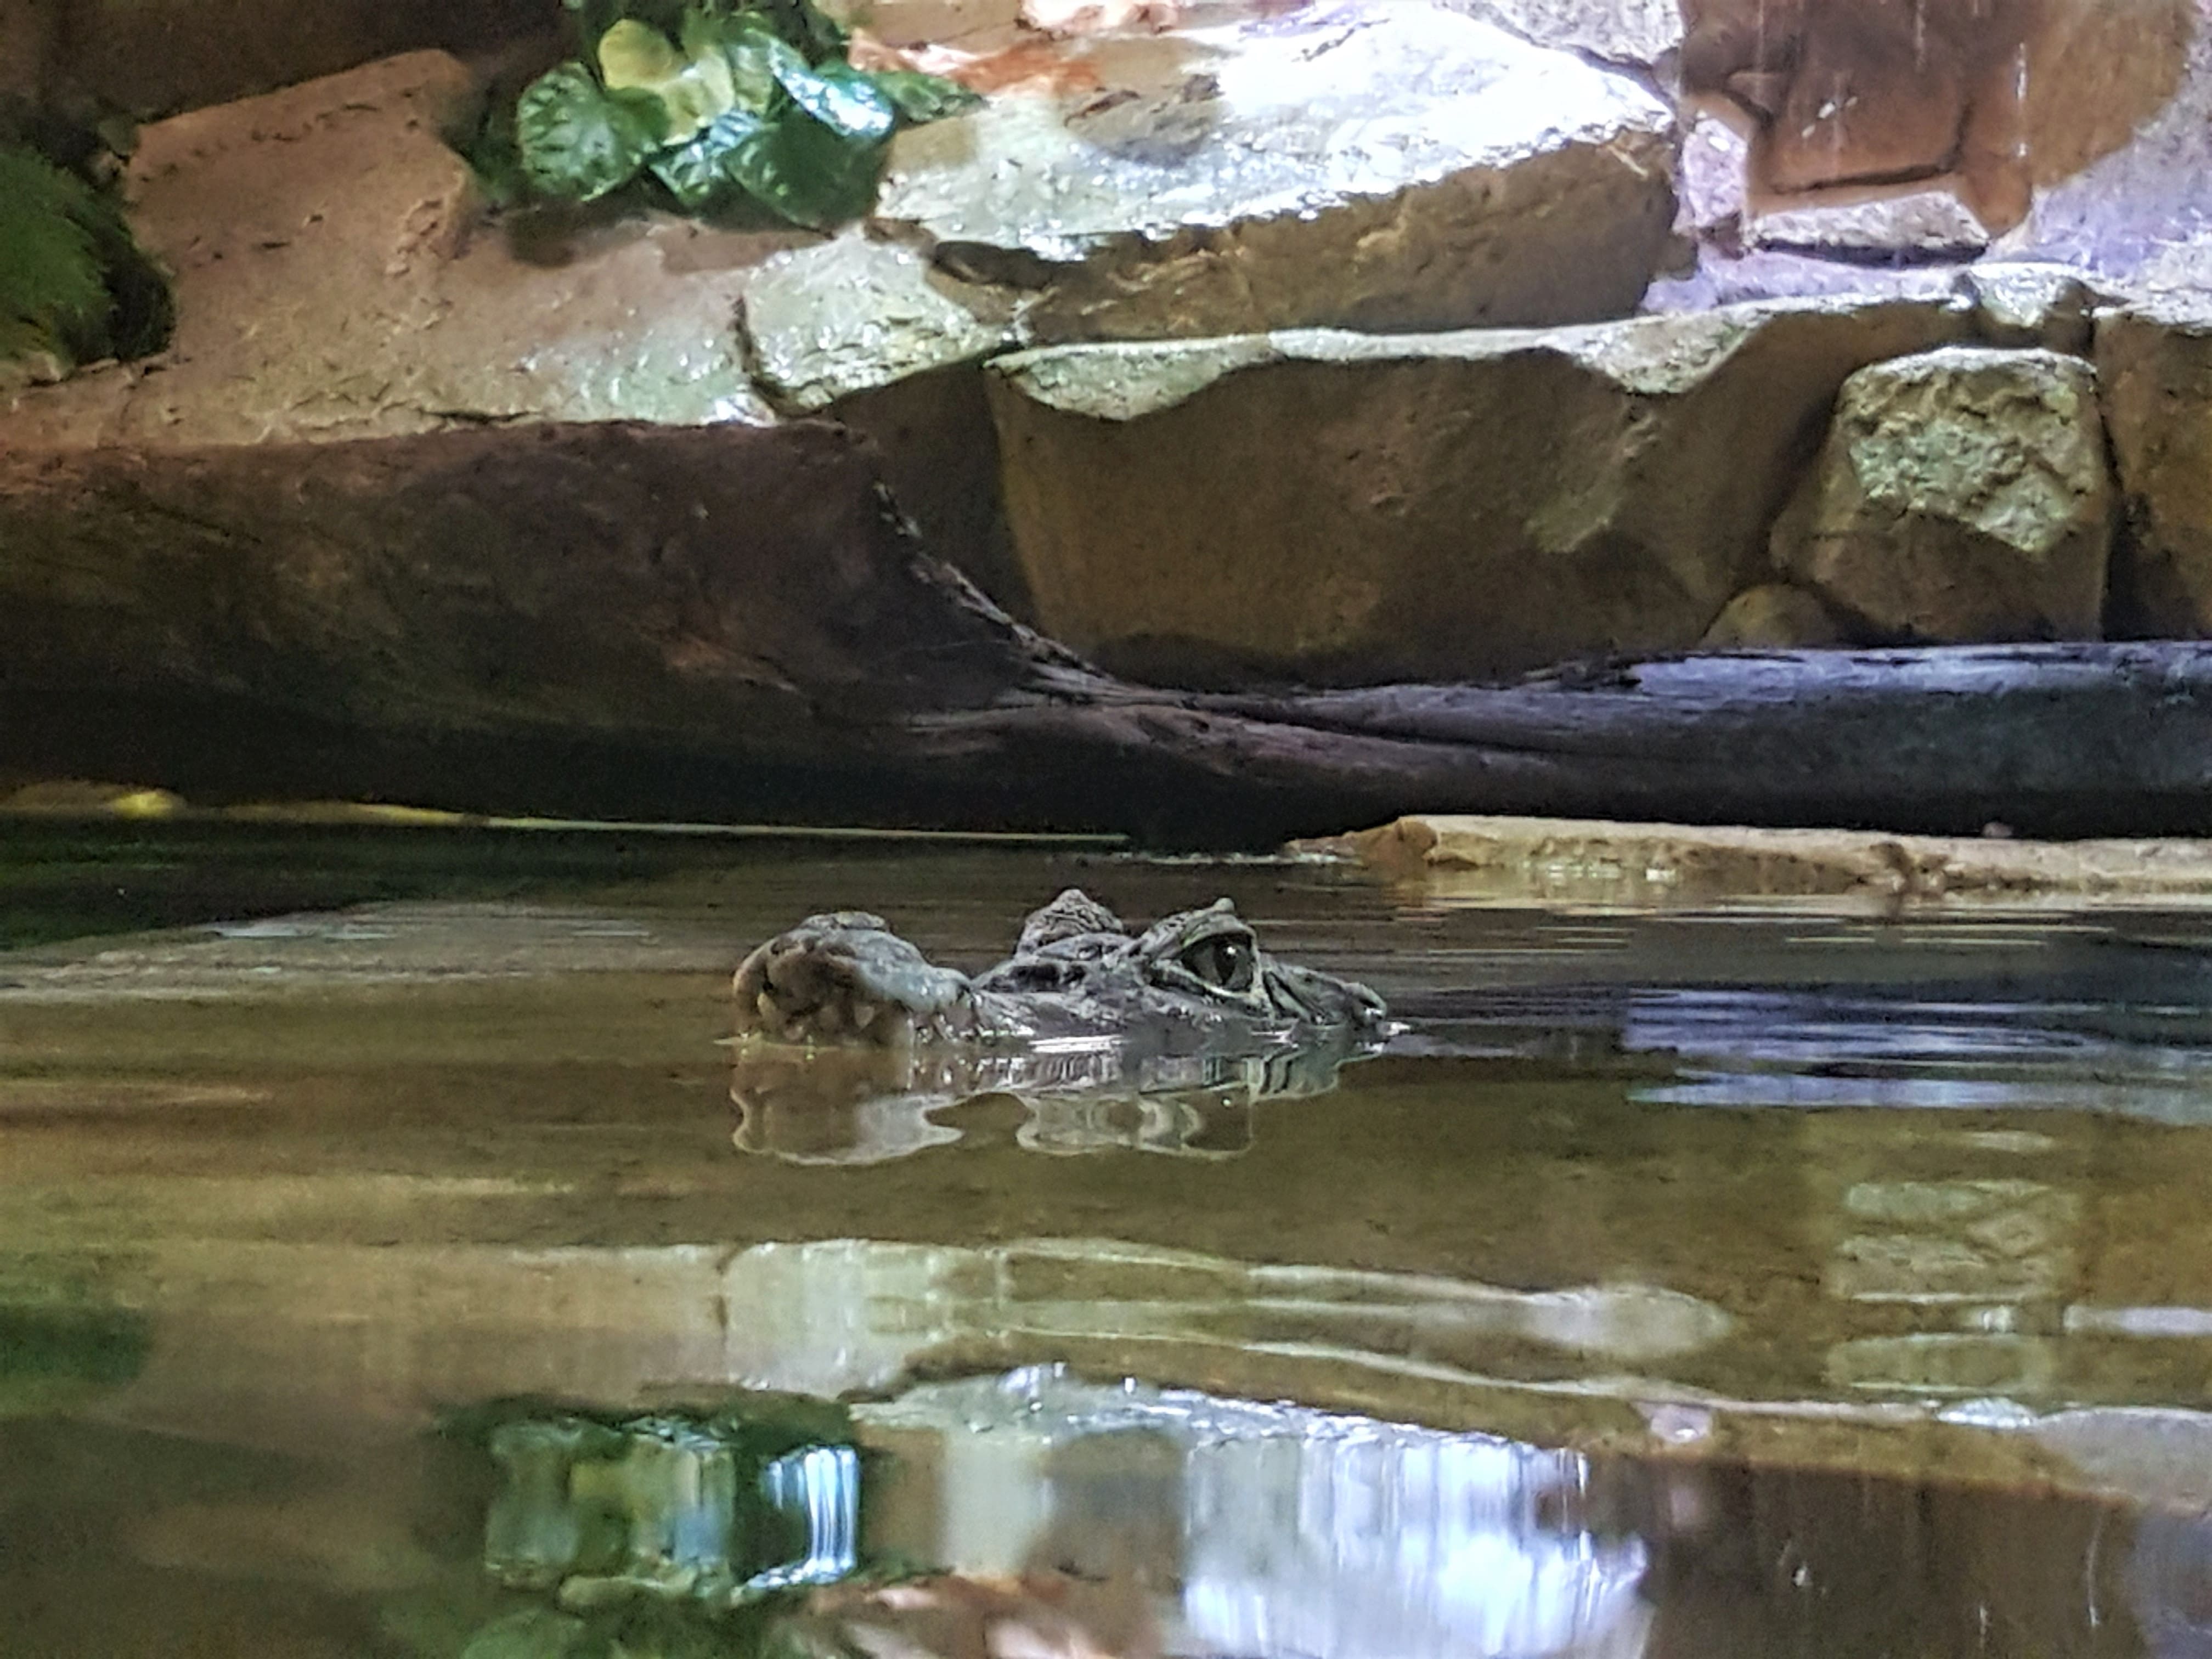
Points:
point(1345, 507)
point(1962, 496)
point(2154, 359)
point(1385, 164)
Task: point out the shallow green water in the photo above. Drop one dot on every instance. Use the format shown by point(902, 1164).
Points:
point(1759, 1282)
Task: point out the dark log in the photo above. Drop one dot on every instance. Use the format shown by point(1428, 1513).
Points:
point(734, 625)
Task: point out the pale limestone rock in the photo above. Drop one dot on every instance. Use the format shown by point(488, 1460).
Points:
point(1709, 181)
point(1774, 616)
point(1962, 495)
point(852, 314)
point(1384, 166)
point(2022, 303)
point(1586, 860)
point(1643, 33)
point(2154, 362)
point(1336, 507)
point(1930, 223)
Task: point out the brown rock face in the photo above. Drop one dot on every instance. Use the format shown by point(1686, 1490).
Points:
point(1962, 497)
point(334, 280)
point(1993, 97)
point(505, 610)
point(2155, 363)
point(1344, 508)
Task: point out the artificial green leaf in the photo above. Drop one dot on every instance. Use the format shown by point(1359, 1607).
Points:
point(811, 173)
point(634, 56)
point(747, 45)
point(839, 96)
point(697, 172)
point(922, 97)
point(579, 140)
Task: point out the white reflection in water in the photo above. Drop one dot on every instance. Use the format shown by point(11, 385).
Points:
point(857, 1105)
point(1275, 1530)
point(1820, 1049)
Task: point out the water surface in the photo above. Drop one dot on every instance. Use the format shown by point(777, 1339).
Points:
point(1771, 1280)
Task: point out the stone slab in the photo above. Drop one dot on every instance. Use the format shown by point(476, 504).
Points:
point(1352, 508)
point(1373, 166)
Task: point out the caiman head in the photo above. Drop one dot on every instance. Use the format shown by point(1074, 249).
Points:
point(1076, 971)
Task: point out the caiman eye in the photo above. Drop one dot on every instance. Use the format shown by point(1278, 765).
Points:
point(1225, 961)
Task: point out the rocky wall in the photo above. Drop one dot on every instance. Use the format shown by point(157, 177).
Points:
point(1326, 342)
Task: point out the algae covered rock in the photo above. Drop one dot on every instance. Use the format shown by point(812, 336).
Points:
point(1349, 508)
point(1962, 496)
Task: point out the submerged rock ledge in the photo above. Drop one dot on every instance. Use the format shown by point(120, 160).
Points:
point(1470, 857)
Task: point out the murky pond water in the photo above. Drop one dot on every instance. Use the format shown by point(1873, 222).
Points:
point(1749, 1282)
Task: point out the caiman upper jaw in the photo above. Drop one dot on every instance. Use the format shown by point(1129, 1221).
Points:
point(846, 975)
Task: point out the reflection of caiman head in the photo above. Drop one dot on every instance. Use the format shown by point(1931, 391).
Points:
point(1076, 971)
point(1159, 1041)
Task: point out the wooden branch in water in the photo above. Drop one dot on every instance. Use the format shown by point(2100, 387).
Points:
point(729, 624)
point(2048, 739)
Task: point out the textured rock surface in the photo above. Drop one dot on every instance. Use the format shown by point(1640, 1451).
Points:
point(1709, 181)
point(1353, 508)
point(1638, 31)
point(867, 332)
point(2029, 304)
point(2155, 361)
point(1924, 224)
point(475, 614)
point(1772, 615)
point(1993, 99)
point(2132, 203)
point(1962, 495)
point(333, 280)
point(1377, 165)
point(852, 314)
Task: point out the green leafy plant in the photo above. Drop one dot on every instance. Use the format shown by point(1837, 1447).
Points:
point(719, 102)
point(74, 286)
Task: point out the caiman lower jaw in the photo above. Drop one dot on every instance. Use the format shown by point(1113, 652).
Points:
point(849, 1016)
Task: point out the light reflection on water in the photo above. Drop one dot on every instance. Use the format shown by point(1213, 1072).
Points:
point(1276, 1532)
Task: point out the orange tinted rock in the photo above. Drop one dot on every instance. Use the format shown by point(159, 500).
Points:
point(1995, 97)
